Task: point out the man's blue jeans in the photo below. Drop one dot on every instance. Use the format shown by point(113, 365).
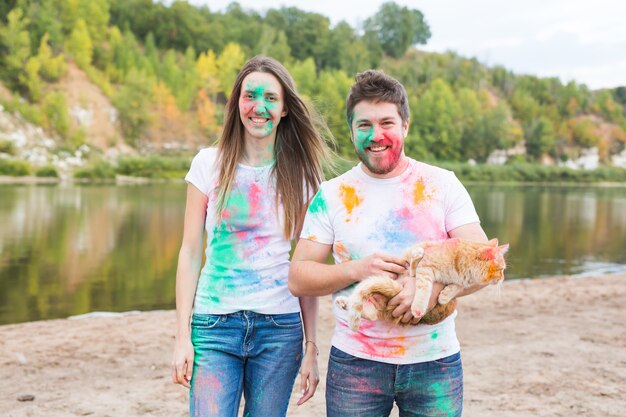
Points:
point(256, 354)
point(362, 388)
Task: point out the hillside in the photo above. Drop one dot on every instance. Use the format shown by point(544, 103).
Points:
point(125, 77)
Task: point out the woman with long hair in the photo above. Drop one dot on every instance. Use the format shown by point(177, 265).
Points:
point(239, 329)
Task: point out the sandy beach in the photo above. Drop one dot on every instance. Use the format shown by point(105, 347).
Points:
point(546, 347)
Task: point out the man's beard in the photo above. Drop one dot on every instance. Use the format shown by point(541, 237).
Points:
point(380, 169)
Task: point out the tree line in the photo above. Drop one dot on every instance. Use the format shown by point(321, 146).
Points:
point(165, 66)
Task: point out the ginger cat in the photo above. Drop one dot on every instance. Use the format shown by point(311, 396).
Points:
point(456, 262)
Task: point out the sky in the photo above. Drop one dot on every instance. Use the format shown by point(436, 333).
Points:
point(579, 40)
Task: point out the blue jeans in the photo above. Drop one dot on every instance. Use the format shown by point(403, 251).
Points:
point(364, 388)
point(257, 354)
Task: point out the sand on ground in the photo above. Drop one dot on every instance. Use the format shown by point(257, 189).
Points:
point(545, 347)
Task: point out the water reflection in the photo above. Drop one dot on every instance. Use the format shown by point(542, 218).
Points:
point(556, 230)
point(68, 250)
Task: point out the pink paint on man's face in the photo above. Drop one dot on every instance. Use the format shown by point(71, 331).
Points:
point(378, 134)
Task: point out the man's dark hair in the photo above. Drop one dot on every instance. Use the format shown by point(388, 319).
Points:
point(376, 86)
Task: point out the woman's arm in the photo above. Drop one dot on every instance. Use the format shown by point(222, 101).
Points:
point(309, 372)
point(189, 263)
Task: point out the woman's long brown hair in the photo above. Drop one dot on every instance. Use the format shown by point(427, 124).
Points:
point(300, 150)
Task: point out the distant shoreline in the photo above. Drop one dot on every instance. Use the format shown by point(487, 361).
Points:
point(130, 180)
point(118, 180)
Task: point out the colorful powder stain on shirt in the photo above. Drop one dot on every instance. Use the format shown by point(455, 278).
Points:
point(318, 204)
point(254, 197)
point(342, 253)
point(418, 192)
point(350, 198)
point(393, 347)
point(398, 229)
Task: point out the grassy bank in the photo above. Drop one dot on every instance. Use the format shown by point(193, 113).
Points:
point(170, 167)
point(154, 167)
point(533, 173)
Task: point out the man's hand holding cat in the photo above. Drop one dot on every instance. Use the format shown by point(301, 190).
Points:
point(378, 264)
point(404, 298)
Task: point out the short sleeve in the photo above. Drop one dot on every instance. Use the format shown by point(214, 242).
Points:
point(317, 224)
point(459, 208)
point(202, 167)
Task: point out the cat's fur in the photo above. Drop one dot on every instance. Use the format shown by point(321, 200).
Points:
point(456, 262)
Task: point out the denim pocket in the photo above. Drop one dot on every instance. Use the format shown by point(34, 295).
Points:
point(340, 356)
point(451, 360)
point(205, 321)
point(286, 321)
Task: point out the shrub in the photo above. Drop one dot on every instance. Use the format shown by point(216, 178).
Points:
point(47, 171)
point(14, 167)
point(100, 170)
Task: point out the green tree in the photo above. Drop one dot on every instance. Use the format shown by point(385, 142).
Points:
point(473, 144)
point(14, 47)
point(206, 67)
point(437, 119)
point(229, 63)
point(273, 43)
point(132, 102)
point(540, 139)
point(189, 81)
point(96, 14)
point(583, 132)
point(331, 100)
point(52, 67)
point(398, 28)
point(45, 18)
point(69, 11)
point(308, 34)
point(347, 51)
point(619, 94)
point(79, 45)
point(607, 107)
point(30, 79)
point(55, 109)
point(305, 76)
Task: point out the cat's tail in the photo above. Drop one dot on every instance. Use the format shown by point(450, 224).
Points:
point(365, 300)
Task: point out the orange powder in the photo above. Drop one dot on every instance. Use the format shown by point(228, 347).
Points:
point(350, 198)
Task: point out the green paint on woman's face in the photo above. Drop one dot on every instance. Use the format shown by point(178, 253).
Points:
point(261, 104)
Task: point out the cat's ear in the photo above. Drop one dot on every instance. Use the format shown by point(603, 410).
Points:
point(493, 242)
point(503, 249)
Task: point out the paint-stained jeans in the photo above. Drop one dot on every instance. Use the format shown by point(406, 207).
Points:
point(256, 354)
point(364, 388)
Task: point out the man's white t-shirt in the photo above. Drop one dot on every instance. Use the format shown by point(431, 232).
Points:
point(247, 255)
point(360, 215)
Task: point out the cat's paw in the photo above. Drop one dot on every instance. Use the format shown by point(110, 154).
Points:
point(444, 298)
point(418, 308)
point(342, 302)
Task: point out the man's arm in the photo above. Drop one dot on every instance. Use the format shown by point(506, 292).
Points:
point(475, 233)
point(310, 275)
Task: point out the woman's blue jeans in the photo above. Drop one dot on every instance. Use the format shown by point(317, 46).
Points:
point(358, 387)
point(244, 352)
